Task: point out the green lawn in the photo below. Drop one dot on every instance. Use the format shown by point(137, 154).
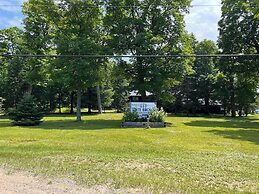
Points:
point(194, 155)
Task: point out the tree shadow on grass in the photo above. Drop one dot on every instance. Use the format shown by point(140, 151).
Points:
point(216, 116)
point(244, 135)
point(69, 115)
point(67, 122)
point(83, 125)
point(5, 124)
point(245, 124)
point(249, 129)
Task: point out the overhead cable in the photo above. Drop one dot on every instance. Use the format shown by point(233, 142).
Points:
point(130, 56)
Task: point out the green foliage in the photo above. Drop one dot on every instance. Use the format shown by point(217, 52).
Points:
point(131, 116)
point(239, 26)
point(89, 98)
point(157, 115)
point(239, 34)
point(120, 96)
point(77, 31)
point(107, 91)
point(38, 38)
point(107, 95)
point(120, 86)
point(26, 113)
point(205, 72)
point(154, 116)
point(12, 70)
point(198, 88)
point(139, 27)
point(150, 28)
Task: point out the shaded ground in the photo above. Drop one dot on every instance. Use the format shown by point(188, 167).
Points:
point(240, 129)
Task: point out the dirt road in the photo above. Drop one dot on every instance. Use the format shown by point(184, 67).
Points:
point(24, 183)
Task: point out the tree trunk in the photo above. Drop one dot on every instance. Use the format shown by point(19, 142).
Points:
point(246, 111)
point(142, 90)
point(78, 106)
point(72, 103)
point(99, 99)
point(225, 111)
point(51, 103)
point(141, 79)
point(89, 108)
point(207, 105)
point(233, 106)
point(59, 102)
point(240, 113)
point(143, 96)
point(232, 98)
point(89, 105)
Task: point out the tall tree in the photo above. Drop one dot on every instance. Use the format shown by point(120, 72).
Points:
point(144, 27)
point(77, 33)
point(239, 33)
point(12, 69)
point(38, 35)
point(205, 71)
point(197, 91)
point(120, 85)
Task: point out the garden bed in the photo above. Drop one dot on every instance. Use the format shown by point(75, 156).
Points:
point(143, 124)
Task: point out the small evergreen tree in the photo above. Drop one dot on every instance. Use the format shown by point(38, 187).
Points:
point(27, 112)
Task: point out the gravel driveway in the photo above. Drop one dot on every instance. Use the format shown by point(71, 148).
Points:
point(24, 183)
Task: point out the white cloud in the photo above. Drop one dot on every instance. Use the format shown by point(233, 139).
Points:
point(202, 21)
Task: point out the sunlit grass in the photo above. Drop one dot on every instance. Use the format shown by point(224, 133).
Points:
point(197, 155)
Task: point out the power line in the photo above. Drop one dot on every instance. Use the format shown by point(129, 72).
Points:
point(115, 6)
point(130, 56)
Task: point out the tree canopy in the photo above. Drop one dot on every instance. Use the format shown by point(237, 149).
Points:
point(149, 28)
point(72, 29)
point(239, 33)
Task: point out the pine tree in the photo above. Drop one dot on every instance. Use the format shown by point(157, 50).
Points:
point(27, 112)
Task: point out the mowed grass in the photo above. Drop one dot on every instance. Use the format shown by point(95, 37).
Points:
point(192, 155)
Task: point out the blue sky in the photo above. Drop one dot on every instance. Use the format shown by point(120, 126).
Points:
point(202, 21)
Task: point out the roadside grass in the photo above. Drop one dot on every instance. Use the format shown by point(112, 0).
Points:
point(192, 155)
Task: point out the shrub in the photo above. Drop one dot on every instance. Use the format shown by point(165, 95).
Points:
point(27, 112)
point(157, 115)
point(131, 116)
